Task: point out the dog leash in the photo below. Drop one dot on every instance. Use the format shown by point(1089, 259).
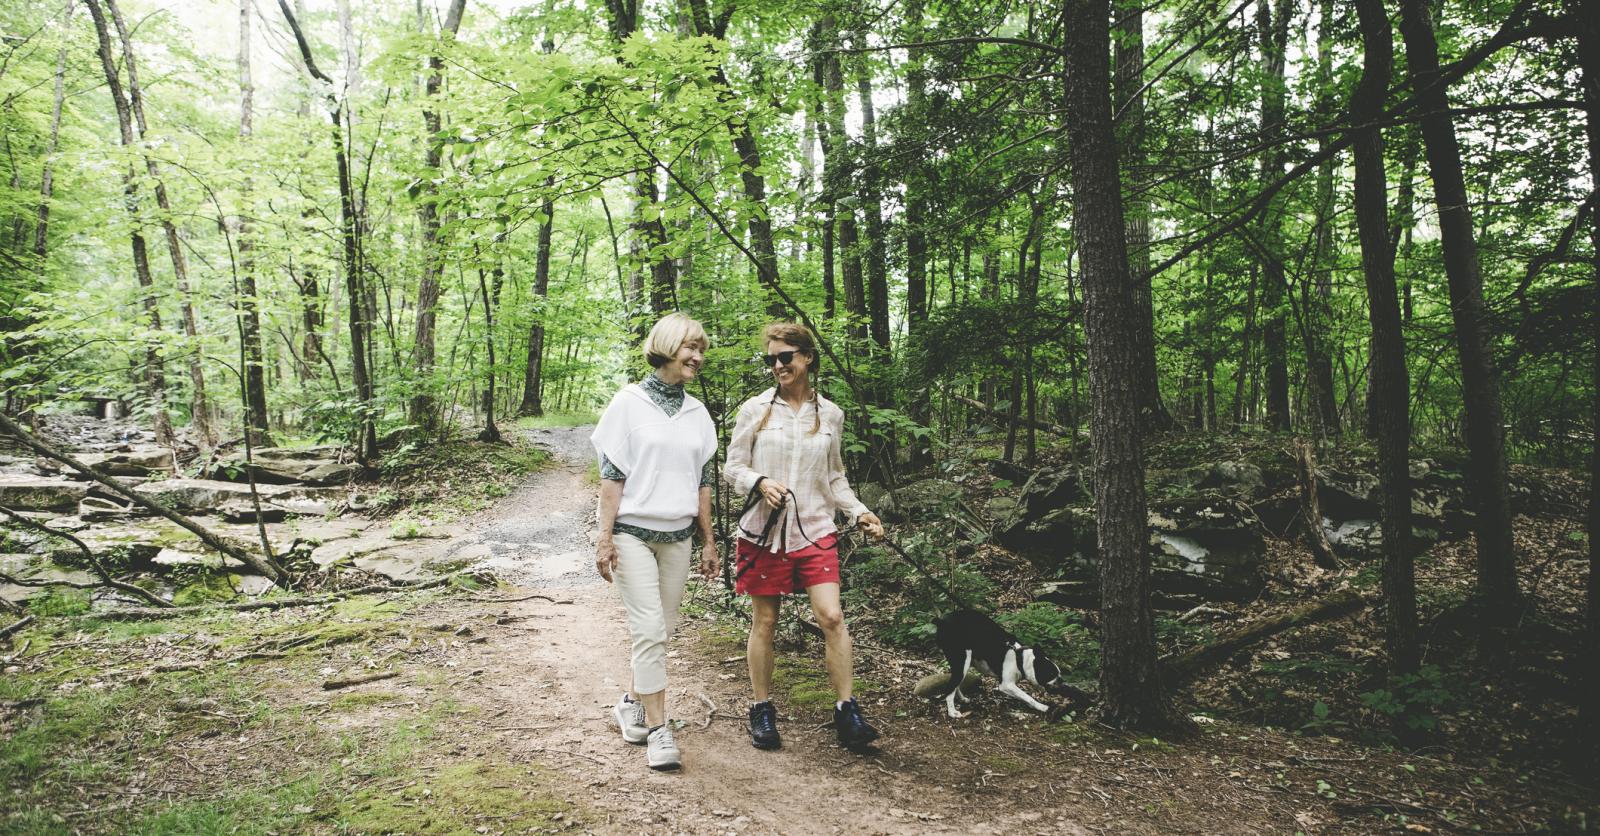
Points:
point(926, 573)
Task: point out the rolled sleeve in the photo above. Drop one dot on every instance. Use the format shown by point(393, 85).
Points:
point(610, 472)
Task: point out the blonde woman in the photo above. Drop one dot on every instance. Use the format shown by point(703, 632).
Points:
point(655, 443)
point(785, 449)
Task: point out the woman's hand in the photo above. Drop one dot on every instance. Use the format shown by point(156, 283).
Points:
point(710, 563)
point(870, 524)
point(774, 492)
point(605, 558)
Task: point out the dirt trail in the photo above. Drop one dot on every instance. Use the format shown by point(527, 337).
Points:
point(547, 698)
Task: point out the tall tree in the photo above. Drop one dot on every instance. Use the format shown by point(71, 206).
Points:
point(1318, 305)
point(838, 174)
point(1390, 399)
point(355, 290)
point(877, 254)
point(1589, 673)
point(154, 369)
point(255, 382)
point(1128, 91)
point(1480, 380)
point(41, 226)
point(423, 411)
point(1272, 24)
point(200, 410)
point(532, 377)
point(915, 218)
point(1131, 694)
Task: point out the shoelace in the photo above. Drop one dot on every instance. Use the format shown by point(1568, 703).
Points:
point(765, 720)
point(663, 737)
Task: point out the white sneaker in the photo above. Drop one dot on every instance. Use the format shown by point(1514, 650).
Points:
point(662, 752)
point(630, 718)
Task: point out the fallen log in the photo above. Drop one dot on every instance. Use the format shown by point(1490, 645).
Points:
point(1189, 664)
point(5, 632)
point(1054, 429)
point(265, 567)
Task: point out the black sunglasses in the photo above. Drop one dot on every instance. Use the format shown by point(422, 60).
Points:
point(784, 357)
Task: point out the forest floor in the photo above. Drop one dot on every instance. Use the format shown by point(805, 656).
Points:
point(494, 717)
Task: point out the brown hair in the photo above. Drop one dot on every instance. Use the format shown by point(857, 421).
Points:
point(805, 342)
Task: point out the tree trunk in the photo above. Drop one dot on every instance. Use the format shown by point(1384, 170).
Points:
point(1390, 405)
point(200, 412)
point(47, 177)
point(1128, 94)
point(423, 410)
point(532, 378)
point(838, 174)
point(877, 258)
point(255, 383)
point(1130, 690)
point(1272, 20)
point(916, 236)
point(367, 438)
point(1589, 670)
point(155, 379)
point(1319, 306)
point(1480, 380)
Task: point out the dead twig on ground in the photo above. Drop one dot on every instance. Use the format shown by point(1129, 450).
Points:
point(711, 709)
point(5, 632)
point(143, 614)
point(89, 556)
point(336, 684)
point(520, 598)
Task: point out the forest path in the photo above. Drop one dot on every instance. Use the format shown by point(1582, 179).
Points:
point(546, 696)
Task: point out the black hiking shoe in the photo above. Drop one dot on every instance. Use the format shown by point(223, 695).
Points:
point(764, 726)
point(853, 729)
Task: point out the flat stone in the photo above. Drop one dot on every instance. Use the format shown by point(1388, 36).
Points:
point(196, 496)
point(132, 463)
point(41, 493)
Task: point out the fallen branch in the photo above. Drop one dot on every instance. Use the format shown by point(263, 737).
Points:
point(336, 684)
point(262, 566)
point(521, 598)
point(146, 614)
point(1053, 429)
point(5, 632)
point(88, 555)
point(1204, 610)
point(1181, 668)
point(711, 709)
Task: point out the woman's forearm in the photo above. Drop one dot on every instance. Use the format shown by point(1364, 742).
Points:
point(610, 501)
point(703, 519)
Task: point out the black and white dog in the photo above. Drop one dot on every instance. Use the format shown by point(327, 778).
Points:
point(969, 638)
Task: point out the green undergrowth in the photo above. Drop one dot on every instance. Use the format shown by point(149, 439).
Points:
point(551, 420)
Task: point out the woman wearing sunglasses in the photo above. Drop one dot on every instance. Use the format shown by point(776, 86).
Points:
point(655, 443)
point(784, 456)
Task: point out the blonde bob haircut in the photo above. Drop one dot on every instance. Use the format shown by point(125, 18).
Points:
point(672, 332)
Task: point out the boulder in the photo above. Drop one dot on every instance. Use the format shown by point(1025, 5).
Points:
point(877, 498)
point(1241, 479)
point(141, 462)
point(284, 466)
point(99, 509)
point(1213, 549)
point(929, 499)
point(245, 512)
point(21, 492)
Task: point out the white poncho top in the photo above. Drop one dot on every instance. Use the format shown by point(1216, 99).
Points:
point(662, 455)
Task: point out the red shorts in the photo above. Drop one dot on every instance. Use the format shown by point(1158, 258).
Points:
point(781, 573)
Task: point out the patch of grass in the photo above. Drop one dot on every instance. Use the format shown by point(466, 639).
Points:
point(60, 601)
point(453, 799)
point(551, 420)
point(357, 701)
point(806, 683)
point(207, 587)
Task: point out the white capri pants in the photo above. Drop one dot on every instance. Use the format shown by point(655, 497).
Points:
point(650, 578)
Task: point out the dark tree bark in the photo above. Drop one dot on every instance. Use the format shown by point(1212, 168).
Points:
point(532, 378)
point(41, 227)
point(1272, 23)
point(1480, 380)
point(877, 254)
point(838, 174)
point(1131, 693)
point(200, 410)
point(1128, 93)
point(916, 236)
point(155, 379)
point(423, 411)
point(354, 282)
point(744, 142)
point(1390, 406)
point(1589, 671)
point(1319, 302)
point(255, 379)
